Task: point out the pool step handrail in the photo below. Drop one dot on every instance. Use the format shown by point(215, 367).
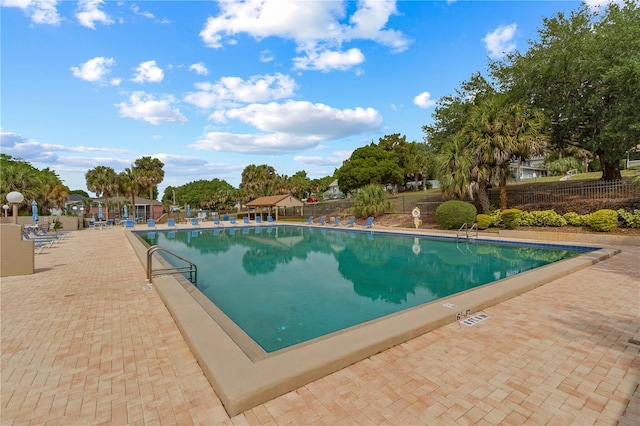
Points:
point(474, 226)
point(462, 228)
point(467, 230)
point(191, 268)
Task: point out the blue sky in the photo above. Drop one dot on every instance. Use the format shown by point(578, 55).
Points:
point(210, 87)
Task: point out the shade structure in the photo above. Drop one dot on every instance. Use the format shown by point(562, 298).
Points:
point(100, 215)
point(188, 210)
point(125, 213)
point(34, 211)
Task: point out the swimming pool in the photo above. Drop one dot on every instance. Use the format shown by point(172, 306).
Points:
point(243, 375)
point(287, 285)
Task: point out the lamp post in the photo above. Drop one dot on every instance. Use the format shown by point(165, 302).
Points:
point(5, 208)
point(14, 198)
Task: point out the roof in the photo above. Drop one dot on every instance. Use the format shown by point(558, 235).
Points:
point(282, 200)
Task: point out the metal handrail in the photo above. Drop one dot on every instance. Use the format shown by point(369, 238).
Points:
point(475, 225)
point(464, 226)
point(192, 268)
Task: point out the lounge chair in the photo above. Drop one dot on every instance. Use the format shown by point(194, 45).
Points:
point(171, 223)
point(322, 221)
point(151, 223)
point(368, 223)
point(337, 221)
point(232, 220)
point(108, 223)
point(129, 224)
point(352, 221)
point(38, 242)
point(195, 221)
point(216, 221)
point(258, 219)
point(92, 224)
point(245, 220)
point(269, 219)
point(310, 220)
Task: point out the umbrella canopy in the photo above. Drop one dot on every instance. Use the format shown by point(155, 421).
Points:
point(34, 211)
point(125, 213)
point(188, 210)
point(100, 215)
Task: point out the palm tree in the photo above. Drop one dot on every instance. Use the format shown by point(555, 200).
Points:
point(151, 173)
point(498, 133)
point(103, 181)
point(128, 185)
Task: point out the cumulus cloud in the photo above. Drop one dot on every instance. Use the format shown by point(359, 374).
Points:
point(288, 127)
point(148, 72)
point(89, 13)
point(234, 90)
point(336, 159)
point(316, 27)
point(304, 118)
point(500, 41)
point(94, 70)
point(40, 11)
point(329, 60)
point(423, 100)
point(200, 68)
point(258, 143)
point(142, 106)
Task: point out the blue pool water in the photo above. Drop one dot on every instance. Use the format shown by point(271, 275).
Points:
point(284, 285)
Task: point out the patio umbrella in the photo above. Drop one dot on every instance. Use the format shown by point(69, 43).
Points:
point(100, 215)
point(125, 213)
point(188, 210)
point(34, 211)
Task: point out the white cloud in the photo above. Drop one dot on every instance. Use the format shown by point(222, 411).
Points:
point(40, 11)
point(142, 106)
point(288, 127)
point(335, 160)
point(89, 13)
point(423, 100)
point(234, 90)
point(500, 41)
point(329, 60)
point(266, 56)
point(316, 27)
point(259, 143)
point(594, 4)
point(200, 68)
point(148, 72)
point(305, 119)
point(94, 70)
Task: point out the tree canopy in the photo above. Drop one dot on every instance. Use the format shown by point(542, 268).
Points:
point(584, 73)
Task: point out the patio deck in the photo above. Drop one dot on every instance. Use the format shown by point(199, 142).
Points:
point(84, 343)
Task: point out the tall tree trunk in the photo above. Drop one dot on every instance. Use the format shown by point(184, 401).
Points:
point(611, 170)
point(503, 194)
point(483, 198)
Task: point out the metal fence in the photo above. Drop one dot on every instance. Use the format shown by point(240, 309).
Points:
point(566, 191)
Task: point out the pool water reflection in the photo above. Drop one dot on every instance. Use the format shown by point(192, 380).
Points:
point(285, 285)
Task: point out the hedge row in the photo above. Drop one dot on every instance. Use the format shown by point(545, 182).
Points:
point(603, 220)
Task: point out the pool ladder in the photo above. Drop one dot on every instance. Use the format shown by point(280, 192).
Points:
point(191, 268)
point(467, 230)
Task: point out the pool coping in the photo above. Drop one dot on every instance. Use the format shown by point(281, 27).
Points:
point(241, 383)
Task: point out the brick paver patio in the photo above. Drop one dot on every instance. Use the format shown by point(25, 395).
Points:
point(84, 343)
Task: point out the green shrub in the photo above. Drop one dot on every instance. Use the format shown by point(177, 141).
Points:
point(542, 218)
point(575, 219)
point(511, 218)
point(453, 214)
point(630, 220)
point(484, 221)
point(605, 220)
